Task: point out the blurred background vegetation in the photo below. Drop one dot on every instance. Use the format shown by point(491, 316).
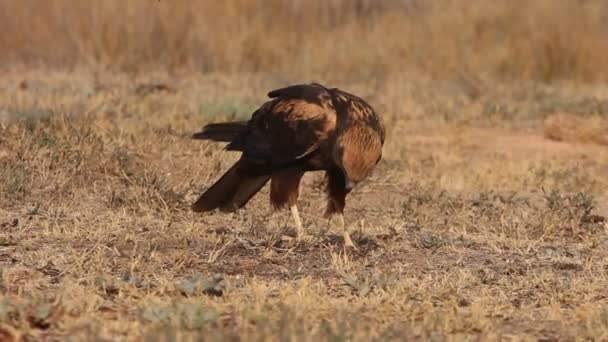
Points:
point(543, 40)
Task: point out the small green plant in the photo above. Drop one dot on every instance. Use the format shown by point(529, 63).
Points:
point(198, 284)
point(195, 317)
point(112, 286)
point(432, 241)
point(362, 285)
point(582, 202)
point(157, 313)
point(554, 200)
point(492, 110)
point(14, 179)
point(190, 316)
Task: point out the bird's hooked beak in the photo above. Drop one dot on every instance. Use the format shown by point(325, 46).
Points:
point(349, 184)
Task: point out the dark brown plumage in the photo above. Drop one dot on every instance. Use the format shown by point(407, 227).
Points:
point(305, 127)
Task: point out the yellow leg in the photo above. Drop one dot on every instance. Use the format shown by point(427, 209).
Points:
point(347, 241)
point(296, 217)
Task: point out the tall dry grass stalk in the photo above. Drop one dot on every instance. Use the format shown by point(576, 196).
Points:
point(534, 39)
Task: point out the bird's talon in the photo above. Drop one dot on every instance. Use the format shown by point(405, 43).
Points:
point(348, 243)
point(352, 247)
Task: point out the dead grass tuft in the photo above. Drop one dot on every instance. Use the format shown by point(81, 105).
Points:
point(578, 129)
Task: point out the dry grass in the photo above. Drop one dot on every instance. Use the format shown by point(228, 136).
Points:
point(474, 226)
point(354, 39)
point(575, 128)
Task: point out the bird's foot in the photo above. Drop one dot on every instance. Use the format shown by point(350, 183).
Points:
point(348, 242)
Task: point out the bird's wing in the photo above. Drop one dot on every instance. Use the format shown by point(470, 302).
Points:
point(289, 127)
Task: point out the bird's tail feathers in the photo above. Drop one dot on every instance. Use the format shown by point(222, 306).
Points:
point(231, 192)
point(225, 131)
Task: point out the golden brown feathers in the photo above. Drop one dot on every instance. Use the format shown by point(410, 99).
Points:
point(361, 150)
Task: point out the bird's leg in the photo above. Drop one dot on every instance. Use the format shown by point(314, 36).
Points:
point(337, 192)
point(284, 190)
point(296, 217)
point(348, 243)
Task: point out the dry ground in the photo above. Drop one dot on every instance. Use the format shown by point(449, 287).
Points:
point(474, 227)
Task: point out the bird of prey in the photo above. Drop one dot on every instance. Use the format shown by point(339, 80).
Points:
point(303, 127)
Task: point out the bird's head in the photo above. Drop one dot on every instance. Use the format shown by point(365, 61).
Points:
point(357, 152)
